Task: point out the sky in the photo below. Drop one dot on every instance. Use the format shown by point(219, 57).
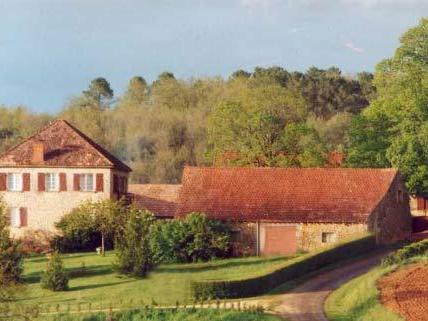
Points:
point(51, 49)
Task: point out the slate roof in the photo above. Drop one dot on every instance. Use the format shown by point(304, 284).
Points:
point(161, 199)
point(64, 146)
point(323, 195)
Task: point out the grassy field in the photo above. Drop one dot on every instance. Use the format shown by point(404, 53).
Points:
point(166, 284)
point(197, 315)
point(359, 300)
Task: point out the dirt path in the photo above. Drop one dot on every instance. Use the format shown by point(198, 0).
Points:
point(306, 302)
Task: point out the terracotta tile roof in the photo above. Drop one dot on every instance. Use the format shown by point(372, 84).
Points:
point(157, 198)
point(288, 195)
point(64, 146)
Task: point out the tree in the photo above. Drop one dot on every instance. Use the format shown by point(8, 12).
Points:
point(133, 253)
point(392, 130)
point(54, 278)
point(11, 257)
point(99, 90)
point(137, 91)
point(252, 124)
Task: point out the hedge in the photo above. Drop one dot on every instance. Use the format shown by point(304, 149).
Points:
point(404, 254)
point(264, 283)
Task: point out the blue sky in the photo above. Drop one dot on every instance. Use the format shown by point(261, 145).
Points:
point(51, 49)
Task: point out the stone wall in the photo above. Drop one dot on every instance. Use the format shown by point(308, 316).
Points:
point(310, 235)
point(391, 220)
point(44, 209)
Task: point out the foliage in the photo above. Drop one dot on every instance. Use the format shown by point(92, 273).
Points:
point(90, 225)
point(55, 277)
point(134, 255)
point(359, 300)
point(11, 257)
point(159, 127)
point(196, 238)
point(173, 315)
point(404, 254)
point(246, 287)
point(392, 131)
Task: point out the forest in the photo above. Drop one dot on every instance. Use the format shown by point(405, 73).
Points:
point(264, 117)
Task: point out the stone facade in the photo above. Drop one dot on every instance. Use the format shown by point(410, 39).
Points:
point(391, 220)
point(248, 239)
point(45, 208)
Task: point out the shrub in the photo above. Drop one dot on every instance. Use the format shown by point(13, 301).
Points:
point(133, 252)
point(196, 238)
point(37, 242)
point(55, 278)
point(11, 257)
point(88, 226)
point(262, 284)
point(407, 252)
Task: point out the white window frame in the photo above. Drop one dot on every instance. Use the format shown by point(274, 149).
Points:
point(51, 182)
point(14, 182)
point(15, 217)
point(84, 181)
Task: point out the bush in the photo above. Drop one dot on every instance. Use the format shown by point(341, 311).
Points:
point(55, 278)
point(262, 284)
point(11, 257)
point(88, 226)
point(37, 242)
point(407, 252)
point(133, 252)
point(196, 238)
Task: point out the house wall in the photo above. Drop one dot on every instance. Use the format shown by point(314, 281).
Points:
point(46, 208)
point(391, 220)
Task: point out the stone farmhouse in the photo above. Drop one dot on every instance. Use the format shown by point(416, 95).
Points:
point(272, 210)
point(52, 172)
point(280, 211)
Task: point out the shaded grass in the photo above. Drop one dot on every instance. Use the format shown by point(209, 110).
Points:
point(359, 300)
point(180, 315)
point(166, 284)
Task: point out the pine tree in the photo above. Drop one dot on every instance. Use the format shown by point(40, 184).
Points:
point(55, 277)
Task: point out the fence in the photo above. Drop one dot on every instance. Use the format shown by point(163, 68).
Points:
point(31, 312)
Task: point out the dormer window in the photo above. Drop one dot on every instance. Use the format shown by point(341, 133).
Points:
point(14, 182)
point(86, 182)
point(52, 182)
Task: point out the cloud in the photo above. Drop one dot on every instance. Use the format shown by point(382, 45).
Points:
point(351, 46)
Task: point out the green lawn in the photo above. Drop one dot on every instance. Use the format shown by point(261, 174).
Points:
point(358, 300)
point(166, 284)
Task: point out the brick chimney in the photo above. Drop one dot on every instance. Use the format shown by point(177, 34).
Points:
point(38, 153)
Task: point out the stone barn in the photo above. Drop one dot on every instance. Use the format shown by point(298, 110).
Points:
point(280, 211)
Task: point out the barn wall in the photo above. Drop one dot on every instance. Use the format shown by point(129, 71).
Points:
point(310, 237)
point(391, 220)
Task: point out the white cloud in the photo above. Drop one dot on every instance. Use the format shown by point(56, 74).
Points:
point(351, 46)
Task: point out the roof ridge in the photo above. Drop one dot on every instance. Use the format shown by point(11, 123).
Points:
point(386, 169)
point(99, 149)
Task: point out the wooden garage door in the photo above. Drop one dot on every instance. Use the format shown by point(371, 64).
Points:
point(280, 240)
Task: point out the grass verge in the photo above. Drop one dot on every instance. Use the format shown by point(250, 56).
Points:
point(359, 300)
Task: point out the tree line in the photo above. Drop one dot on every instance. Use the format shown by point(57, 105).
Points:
point(266, 117)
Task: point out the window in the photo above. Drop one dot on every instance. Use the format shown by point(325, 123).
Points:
point(86, 182)
point(400, 196)
point(52, 182)
point(14, 182)
point(15, 217)
point(328, 237)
